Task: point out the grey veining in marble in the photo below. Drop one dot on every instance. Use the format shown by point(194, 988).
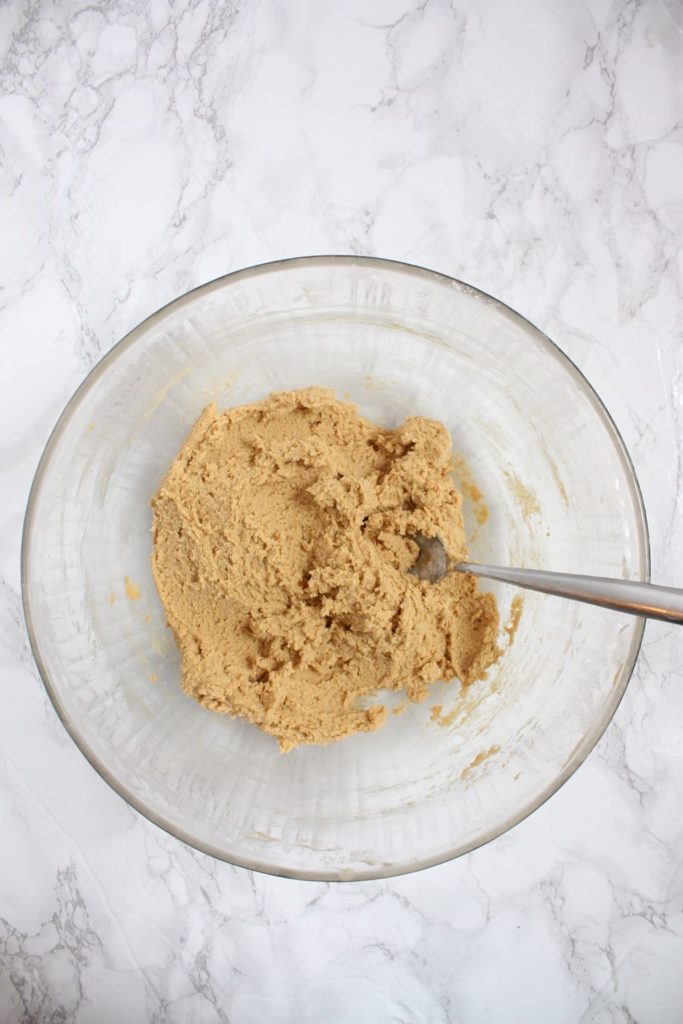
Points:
point(534, 149)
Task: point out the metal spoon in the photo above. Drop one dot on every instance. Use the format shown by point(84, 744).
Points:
point(646, 599)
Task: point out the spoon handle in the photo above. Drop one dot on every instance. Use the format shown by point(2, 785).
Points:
point(646, 599)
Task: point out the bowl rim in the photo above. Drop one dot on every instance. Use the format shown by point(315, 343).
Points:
point(384, 870)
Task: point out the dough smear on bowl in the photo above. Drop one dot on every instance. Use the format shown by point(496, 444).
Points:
point(281, 555)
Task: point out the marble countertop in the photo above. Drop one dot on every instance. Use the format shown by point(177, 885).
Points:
point(534, 149)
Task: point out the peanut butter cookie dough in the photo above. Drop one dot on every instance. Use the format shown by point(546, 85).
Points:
point(281, 549)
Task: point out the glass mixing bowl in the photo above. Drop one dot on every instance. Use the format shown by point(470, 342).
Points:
point(560, 493)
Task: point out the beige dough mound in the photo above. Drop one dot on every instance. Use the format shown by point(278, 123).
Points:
point(281, 549)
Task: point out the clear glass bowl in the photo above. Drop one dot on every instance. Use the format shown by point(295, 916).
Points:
point(397, 340)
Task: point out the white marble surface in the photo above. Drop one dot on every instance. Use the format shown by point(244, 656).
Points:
point(534, 149)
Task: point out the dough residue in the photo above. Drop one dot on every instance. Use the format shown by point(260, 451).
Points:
point(282, 544)
point(512, 625)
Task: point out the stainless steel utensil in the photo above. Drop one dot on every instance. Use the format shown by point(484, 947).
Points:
point(647, 599)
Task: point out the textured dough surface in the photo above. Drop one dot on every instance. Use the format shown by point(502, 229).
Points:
point(281, 549)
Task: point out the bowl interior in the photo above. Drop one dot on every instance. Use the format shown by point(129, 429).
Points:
point(558, 492)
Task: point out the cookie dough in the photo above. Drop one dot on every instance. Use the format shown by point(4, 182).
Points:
point(282, 543)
